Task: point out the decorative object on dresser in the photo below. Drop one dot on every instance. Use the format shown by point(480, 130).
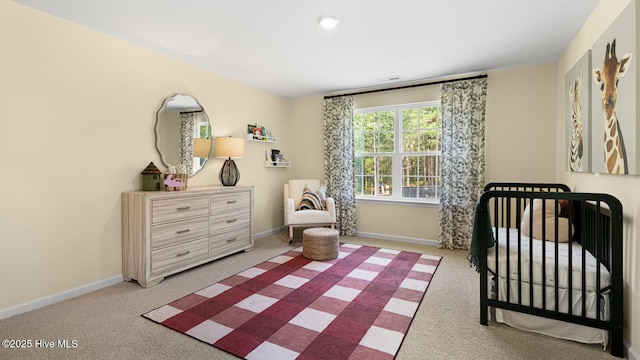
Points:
point(183, 134)
point(167, 232)
point(229, 147)
point(151, 178)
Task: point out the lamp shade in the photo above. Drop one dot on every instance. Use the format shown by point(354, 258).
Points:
point(201, 148)
point(229, 147)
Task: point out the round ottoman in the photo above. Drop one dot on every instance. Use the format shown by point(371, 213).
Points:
point(320, 243)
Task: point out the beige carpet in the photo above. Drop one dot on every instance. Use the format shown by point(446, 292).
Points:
point(107, 324)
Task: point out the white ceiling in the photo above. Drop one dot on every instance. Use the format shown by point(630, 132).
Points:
point(276, 45)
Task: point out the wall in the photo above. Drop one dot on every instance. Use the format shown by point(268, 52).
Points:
point(625, 187)
point(517, 103)
point(78, 112)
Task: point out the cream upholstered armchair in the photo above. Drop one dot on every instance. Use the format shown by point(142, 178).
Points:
point(293, 191)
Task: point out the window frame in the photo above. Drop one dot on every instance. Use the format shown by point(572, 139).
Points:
point(397, 154)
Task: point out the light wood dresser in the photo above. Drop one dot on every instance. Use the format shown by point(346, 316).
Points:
point(167, 232)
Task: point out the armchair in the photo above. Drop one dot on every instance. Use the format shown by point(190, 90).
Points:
point(305, 218)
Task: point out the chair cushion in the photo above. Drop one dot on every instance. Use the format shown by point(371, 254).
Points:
point(310, 200)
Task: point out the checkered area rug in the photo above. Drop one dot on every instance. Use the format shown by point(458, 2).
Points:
point(358, 306)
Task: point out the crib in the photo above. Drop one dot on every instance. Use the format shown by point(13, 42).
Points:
point(550, 261)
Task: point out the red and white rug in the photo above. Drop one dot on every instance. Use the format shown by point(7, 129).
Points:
point(358, 306)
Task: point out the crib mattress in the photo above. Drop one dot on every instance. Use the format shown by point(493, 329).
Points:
point(565, 250)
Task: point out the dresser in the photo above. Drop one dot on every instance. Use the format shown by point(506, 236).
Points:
point(167, 232)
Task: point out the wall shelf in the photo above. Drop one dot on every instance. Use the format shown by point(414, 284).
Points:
point(278, 164)
point(263, 139)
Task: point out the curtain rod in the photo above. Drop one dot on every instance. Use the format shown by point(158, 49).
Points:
point(408, 86)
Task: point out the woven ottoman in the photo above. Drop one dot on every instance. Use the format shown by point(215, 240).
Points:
point(320, 243)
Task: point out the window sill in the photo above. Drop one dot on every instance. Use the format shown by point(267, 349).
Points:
point(399, 202)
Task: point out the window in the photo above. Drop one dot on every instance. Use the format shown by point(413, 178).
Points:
point(397, 152)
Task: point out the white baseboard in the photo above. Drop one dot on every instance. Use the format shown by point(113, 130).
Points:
point(398, 238)
point(631, 354)
point(52, 299)
point(269, 232)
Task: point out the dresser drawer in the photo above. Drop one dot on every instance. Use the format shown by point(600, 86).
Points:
point(179, 231)
point(170, 258)
point(222, 203)
point(223, 222)
point(177, 209)
point(229, 241)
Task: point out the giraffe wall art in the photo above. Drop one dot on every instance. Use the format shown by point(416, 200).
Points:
point(614, 126)
point(578, 115)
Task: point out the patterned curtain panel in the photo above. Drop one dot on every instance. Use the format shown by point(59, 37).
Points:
point(187, 126)
point(462, 169)
point(339, 161)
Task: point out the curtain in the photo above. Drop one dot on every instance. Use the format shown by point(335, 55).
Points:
point(187, 126)
point(339, 160)
point(462, 168)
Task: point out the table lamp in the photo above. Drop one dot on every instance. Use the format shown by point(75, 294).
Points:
point(229, 147)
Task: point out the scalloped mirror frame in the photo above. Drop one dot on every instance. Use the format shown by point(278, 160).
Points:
point(180, 123)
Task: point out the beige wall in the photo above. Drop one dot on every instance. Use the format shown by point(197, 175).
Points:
point(625, 187)
point(78, 111)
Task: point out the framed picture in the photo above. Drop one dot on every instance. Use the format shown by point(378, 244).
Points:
point(250, 129)
point(268, 133)
point(615, 148)
point(257, 132)
point(578, 115)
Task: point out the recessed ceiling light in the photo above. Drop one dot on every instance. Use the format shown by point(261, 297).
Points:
point(328, 22)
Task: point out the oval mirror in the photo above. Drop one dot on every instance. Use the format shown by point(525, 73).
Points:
point(183, 133)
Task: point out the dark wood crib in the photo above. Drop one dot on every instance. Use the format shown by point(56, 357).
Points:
point(518, 234)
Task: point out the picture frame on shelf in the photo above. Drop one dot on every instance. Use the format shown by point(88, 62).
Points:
point(268, 133)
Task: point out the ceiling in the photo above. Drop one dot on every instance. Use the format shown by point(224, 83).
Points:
point(277, 45)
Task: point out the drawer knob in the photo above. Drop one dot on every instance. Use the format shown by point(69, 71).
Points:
point(183, 253)
point(232, 201)
point(183, 231)
point(184, 208)
point(231, 221)
point(232, 239)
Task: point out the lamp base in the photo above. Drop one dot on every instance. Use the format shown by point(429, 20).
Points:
point(229, 174)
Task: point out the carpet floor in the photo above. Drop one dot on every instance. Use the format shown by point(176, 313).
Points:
point(358, 306)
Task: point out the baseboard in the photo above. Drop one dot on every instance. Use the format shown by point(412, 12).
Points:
point(397, 238)
point(52, 299)
point(269, 232)
point(631, 354)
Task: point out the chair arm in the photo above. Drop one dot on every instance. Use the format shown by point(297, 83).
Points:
point(331, 208)
point(288, 210)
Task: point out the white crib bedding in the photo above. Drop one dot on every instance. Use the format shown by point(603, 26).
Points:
point(542, 325)
point(563, 261)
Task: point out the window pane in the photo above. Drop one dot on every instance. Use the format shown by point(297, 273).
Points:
point(358, 123)
point(386, 121)
point(368, 186)
point(386, 142)
point(370, 142)
point(420, 177)
point(429, 117)
point(358, 165)
point(385, 173)
point(428, 140)
point(409, 141)
point(358, 142)
point(410, 119)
